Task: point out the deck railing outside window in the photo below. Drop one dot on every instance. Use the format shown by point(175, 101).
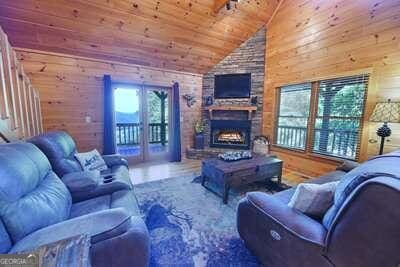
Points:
point(340, 142)
point(129, 133)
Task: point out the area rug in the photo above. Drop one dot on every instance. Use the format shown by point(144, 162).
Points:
point(190, 226)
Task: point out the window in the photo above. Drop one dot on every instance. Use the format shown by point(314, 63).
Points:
point(294, 110)
point(336, 114)
point(339, 116)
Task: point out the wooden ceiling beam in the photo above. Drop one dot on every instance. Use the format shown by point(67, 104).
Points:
point(218, 4)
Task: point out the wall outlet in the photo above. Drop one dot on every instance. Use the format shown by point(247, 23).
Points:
point(88, 119)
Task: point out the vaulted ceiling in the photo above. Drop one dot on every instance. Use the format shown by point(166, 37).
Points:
point(185, 35)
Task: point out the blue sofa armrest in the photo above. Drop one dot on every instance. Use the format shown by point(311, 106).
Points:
point(115, 160)
point(298, 224)
point(279, 235)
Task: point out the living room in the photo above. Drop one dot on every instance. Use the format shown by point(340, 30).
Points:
point(200, 133)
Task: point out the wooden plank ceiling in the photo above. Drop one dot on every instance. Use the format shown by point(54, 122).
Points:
point(184, 35)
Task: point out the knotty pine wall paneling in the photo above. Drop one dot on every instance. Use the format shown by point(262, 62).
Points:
point(71, 88)
point(312, 40)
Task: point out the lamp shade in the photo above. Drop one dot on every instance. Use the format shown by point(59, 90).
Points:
point(386, 112)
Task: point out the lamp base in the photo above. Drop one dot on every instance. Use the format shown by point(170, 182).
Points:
point(383, 132)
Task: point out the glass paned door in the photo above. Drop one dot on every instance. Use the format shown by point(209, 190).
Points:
point(129, 122)
point(157, 122)
point(142, 116)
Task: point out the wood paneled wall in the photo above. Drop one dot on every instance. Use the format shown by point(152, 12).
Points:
point(20, 111)
point(316, 39)
point(71, 88)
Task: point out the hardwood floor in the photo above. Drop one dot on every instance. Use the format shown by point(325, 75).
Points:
point(152, 171)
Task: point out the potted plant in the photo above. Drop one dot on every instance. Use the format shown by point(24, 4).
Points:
point(199, 134)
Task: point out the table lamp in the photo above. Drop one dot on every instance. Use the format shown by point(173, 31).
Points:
point(385, 112)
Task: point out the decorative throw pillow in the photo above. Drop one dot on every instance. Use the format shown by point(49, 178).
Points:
point(91, 161)
point(313, 199)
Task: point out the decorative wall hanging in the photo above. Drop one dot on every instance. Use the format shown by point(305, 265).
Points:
point(190, 99)
point(208, 101)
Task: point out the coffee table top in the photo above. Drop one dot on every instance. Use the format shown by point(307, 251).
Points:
point(232, 166)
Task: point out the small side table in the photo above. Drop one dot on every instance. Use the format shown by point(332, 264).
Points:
point(74, 251)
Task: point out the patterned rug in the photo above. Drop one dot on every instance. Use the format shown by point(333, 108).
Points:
point(190, 226)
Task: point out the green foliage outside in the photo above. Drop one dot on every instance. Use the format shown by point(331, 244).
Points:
point(154, 106)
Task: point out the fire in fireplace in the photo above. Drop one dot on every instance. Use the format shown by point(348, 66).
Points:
point(235, 137)
point(230, 134)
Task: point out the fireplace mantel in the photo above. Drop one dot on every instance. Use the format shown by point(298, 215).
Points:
point(249, 109)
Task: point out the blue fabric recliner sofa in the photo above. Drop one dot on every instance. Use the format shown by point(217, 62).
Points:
point(36, 208)
point(361, 228)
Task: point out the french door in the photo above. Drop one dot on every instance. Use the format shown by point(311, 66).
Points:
point(142, 119)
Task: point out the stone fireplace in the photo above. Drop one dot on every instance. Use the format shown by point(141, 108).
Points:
point(232, 127)
point(230, 134)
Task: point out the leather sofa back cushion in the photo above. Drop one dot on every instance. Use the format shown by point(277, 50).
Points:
point(31, 195)
point(60, 148)
point(388, 165)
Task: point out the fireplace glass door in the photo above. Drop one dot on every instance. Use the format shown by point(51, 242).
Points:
point(230, 134)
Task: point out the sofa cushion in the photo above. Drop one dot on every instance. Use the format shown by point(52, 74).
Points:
point(313, 199)
point(60, 149)
point(119, 199)
point(82, 181)
point(31, 195)
point(386, 165)
point(99, 226)
point(19, 172)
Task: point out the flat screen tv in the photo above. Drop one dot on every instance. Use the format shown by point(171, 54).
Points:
point(232, 85)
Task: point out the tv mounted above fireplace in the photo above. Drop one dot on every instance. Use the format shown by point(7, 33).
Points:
point(232, 85)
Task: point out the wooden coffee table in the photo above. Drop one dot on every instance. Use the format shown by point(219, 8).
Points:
point(237, 173)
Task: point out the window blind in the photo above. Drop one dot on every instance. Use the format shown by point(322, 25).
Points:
point(339, 115)
point(294, 110)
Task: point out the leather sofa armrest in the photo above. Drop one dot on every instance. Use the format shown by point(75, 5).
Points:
point(288, 218)
point(347, 166)
point(115, 160)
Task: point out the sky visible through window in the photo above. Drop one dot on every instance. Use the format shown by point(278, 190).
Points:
point(126, 100)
